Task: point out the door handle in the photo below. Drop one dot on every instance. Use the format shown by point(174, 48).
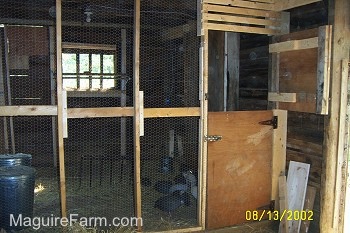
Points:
point(212, 138)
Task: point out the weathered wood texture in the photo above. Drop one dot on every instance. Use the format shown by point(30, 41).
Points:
point(303, 65)
point(239, 166)
point(339, 18)
point(308, 206)
point(216, 58)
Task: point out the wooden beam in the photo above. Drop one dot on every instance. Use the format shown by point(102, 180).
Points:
point(282, 97)
point(123, 81)
point(137, 149)
point(241, 20)
point(69, 45)
point(62, 171)
point(242, 11)
point(52, 37)
point(293, 45)
point(171, 112)
point(286, 5)
point(243, 4)
point(28, 110)
point(323, 69)
point(236, 28)
point(339, 18)
point(308, 207)
point(4, 137)
point(283, 203)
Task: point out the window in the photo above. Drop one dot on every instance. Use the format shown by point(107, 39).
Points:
point(88, 71)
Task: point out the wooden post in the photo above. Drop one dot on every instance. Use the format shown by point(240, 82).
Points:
point(233, 46)
point(123, 95)
point(137, 149)
point(52, 35)
point(9, 96)
point(4, 138)
point(329, 222)
point(60, 132)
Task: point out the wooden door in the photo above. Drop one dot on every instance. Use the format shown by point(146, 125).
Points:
point(239, 166)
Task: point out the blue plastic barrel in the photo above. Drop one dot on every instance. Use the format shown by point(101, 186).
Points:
point(15, 159)
point(16, 195)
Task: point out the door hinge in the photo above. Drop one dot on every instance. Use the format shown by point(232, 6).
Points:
point(273, 122)
point(212, 138)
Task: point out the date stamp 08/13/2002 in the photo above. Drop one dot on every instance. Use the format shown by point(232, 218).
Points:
point(289, 215)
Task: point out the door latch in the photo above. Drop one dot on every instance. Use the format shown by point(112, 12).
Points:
point(212, 138)
point(273, 122)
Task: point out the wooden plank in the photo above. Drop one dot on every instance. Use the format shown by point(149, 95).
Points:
point(233, 60)
point(52, 35)
point(185, 230)
point(236, 28)
point(123, 82)
point(241, 20)
point(28, 110)
point(95, 94)
point(171, 112)
point(286, 5)
point(297, 178)
point(100, 112)
point(283, 201)
point(282, 97)
point(341, 158)
point(323, 69)
point(142, 115)
point(8, 84)
point(338, 17)
point(64, 114)
point(244, 4)
point(279, 142)
point(63, 199)
point(4, 136)
point(308, 206)
point(137, 152)
point(70, 45)
point(294, 45)
point(242, 11)
point(238, 166)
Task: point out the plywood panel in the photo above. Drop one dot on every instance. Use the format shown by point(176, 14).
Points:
point(239, 166)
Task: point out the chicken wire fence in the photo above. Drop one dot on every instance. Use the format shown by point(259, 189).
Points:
point(97, 66)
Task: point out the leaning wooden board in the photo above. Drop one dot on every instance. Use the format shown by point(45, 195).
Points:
point(297, 178)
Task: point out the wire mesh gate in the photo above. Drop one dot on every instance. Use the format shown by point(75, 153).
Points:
point(97, 71)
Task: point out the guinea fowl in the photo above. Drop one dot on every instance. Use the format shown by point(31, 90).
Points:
point(169, 203)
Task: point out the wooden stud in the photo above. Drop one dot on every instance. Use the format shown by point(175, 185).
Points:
point(63, 198)
point(64, 113)
point(123, 94)
point(137, 149)
point(3, 99)
point(294, 45)
point(52, 35)
point(338, 17)
point(279, 150)
point(323, 69)
point(9, 95)
point(282, 97)
point(341, 157)
point(283, 203)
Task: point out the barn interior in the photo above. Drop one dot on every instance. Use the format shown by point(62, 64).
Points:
point(101, 167)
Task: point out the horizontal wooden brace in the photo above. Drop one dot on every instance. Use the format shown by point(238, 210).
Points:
point(294, 45)
point(245, 4)
point(51, 110)
point(241, 20)
point(241, 11)
point(282, 97)
point(236, 28)
point(67, 45)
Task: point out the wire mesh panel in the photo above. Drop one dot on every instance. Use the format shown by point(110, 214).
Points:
point(99, 178)
point(97, 53)
point(169, 173)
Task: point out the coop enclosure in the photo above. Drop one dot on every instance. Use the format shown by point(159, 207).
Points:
point(70, 76)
